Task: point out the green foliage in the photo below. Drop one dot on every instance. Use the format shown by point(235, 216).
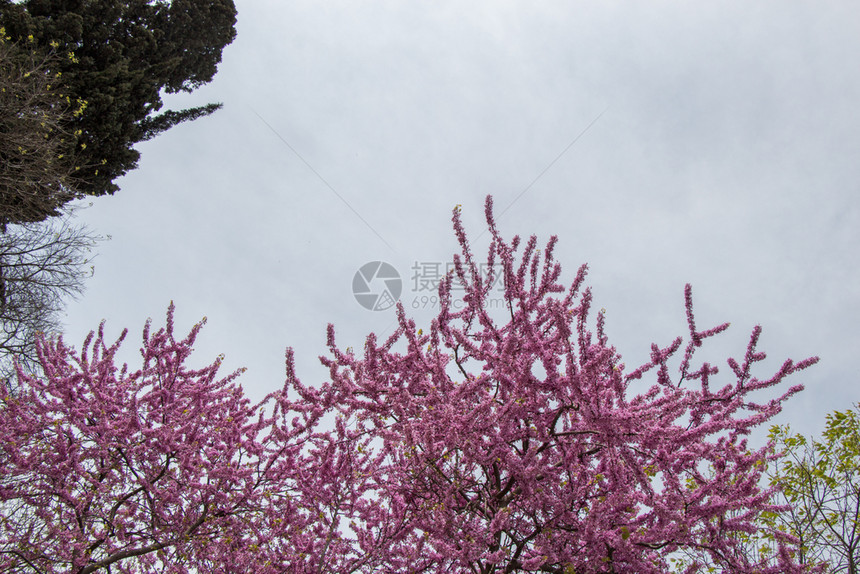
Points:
point(117, 57)
point(819, 481)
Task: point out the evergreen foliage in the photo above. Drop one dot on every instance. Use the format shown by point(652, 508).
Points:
point(116, 60)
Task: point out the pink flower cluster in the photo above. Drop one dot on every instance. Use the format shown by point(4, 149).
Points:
point(481, 446)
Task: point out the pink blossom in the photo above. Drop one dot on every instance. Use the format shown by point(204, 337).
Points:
point(441, 451)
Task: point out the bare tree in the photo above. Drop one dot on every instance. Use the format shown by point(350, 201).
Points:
point(35, 178)
point(41, 265)
point(42, 261)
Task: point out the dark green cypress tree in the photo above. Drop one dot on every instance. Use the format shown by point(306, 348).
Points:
point(116, 59)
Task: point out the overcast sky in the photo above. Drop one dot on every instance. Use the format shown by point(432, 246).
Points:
point(663, 142)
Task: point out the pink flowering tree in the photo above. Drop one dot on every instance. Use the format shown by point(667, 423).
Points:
point(169, 469)
point(102, 469)
point(481, 446)
point(518, 446)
